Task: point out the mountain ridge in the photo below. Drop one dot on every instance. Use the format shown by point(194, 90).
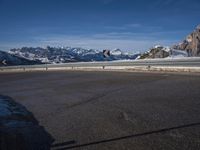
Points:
point(68, 54)
point(52, 55)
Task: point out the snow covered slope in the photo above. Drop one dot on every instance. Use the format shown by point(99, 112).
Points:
point(7, 59)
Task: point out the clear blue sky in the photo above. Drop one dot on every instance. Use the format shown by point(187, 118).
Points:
point(125, 24)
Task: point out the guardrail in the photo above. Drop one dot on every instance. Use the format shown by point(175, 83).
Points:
point(146, 63)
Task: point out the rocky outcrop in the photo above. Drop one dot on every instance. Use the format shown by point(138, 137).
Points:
point(191, 44)
point(156, 52)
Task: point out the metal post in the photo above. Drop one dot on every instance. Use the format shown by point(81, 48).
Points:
point(46, 59)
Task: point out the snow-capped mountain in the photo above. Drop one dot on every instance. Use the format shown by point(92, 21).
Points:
point(68, 54)
point(7, 59)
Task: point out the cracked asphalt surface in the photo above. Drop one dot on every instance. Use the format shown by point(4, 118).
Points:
point(111, 110)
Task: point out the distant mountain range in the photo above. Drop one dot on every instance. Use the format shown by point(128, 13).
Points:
point(30, 55)
point(52, 55)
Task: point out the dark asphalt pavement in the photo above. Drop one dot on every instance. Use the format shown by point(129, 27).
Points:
point(111, 110)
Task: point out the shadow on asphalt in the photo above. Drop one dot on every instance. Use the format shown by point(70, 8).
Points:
point(63, 144)
point(122, 138)
point(19, 130)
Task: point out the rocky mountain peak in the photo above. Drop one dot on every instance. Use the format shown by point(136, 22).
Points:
point(191, 44)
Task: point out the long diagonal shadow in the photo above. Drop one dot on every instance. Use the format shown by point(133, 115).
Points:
point(63, 144)
point(129, 136)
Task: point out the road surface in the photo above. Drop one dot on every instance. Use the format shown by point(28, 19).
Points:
point(111, 110)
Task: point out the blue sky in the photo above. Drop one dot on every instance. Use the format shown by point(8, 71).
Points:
point(131, 25)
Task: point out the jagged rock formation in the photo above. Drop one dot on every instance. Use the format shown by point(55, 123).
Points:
point(156, 52)
point(189, 47)
point(191, 44)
